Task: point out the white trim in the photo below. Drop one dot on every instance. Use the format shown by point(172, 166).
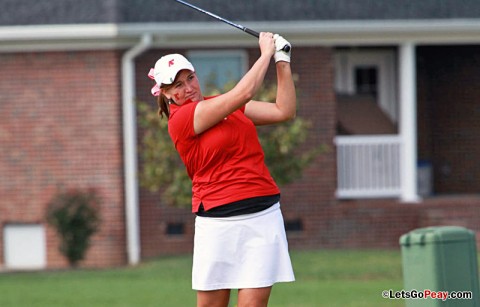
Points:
point(363, 194)
point(367, 139)
point(58, 32)
point(213, 34)
point(314, 33)
point(62, 37)
point(380, 32)
point(408, 122)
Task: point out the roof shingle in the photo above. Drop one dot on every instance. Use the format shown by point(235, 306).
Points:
point(32, 12)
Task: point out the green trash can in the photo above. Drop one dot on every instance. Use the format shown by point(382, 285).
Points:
point(440, 259)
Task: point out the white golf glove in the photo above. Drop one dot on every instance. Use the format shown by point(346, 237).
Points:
point(280, 53)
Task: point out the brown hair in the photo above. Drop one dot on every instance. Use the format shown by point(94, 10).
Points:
point(163, 106)
point(164, 103)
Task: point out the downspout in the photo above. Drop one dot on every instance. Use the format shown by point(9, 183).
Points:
point(130, 148)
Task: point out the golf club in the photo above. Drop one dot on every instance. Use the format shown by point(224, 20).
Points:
point(285, 48)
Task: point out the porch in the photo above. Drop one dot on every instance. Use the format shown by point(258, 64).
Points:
point(374, 157)
point(433, 146)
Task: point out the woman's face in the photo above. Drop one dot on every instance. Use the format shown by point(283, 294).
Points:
point(185, 87)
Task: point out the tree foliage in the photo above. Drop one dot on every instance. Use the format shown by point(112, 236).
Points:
point(162, 169)
point(161, 166)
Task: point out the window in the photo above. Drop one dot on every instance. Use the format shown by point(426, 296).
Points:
point(216, 69)
point(366, 71)
point(366, 80)
point(175, 228)
point(295, 225)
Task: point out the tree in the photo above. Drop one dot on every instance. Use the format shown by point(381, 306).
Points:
point(163, 170)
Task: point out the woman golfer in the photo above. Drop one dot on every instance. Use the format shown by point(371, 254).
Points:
point(240, 240)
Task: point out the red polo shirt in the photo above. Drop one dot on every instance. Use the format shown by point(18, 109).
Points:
point(225, 163)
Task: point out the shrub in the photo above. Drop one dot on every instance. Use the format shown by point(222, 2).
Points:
point(74, 215)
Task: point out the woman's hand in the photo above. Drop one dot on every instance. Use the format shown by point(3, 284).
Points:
point(267, 44)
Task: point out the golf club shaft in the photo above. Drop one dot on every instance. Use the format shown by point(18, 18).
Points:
point(244, 29)
point(286, 48)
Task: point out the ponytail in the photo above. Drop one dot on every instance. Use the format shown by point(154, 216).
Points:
point(164, 103)
point(163, 106)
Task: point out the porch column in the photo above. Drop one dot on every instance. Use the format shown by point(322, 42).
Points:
point(408, 122)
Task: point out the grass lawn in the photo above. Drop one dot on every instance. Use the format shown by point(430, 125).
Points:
point(324, 278)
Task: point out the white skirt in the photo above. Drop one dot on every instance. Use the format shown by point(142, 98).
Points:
point(245, 251)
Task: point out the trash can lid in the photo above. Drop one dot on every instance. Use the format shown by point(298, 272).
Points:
point(437, 234)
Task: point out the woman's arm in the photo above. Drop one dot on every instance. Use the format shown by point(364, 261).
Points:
point(208, 113)
point(284, 108)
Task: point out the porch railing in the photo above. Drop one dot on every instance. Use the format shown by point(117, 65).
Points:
point(368, 166)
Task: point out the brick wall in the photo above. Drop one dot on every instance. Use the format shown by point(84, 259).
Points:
point(380, 223)
point(60, 126)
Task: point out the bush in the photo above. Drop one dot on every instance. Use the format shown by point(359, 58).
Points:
point(74, 215)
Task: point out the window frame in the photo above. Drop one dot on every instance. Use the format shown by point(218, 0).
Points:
point(216, 53)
